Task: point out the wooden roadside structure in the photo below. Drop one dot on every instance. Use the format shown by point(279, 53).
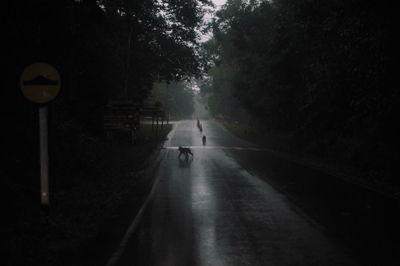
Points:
point(126, 115)
point(122, 116)
point(156, 112)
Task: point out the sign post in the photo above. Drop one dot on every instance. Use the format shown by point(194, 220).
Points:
point(44, 156)
point(40, 83)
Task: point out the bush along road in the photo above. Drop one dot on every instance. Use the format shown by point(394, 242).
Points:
point(90, 184)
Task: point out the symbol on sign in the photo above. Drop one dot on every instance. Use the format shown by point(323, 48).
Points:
point(40, 82)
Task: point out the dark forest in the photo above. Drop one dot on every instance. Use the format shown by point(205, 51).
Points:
point(310, 78)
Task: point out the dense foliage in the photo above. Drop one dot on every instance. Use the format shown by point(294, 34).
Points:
point(104, 50)
point(318, 72)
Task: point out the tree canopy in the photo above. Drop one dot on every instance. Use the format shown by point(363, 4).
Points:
point(319, 71)
point(111, 48)
point(104, 49)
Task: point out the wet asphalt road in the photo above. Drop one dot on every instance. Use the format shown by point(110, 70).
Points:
point(212, 211)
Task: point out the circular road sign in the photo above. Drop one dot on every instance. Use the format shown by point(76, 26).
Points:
point(40, 82)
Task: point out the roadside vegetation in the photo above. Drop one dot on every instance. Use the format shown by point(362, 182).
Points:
point(90, 179)
point(311, 76)
point(104, 50)
point(314, 77)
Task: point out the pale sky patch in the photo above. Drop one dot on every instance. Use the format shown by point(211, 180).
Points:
point(219, 3)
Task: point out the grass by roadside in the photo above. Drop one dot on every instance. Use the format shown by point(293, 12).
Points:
point(277, 142)
point(89, 180)
point(284, 147)
point(363, 221)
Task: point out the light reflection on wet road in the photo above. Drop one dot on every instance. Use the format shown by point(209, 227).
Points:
point(211, 211)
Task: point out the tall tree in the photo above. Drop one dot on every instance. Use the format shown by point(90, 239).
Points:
point(317, 70)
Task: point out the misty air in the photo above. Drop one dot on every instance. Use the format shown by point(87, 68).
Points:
point(200, 133)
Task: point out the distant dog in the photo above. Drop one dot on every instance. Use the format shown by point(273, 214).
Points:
point(184, 151)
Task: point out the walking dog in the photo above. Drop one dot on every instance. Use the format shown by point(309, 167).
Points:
point(185, 151)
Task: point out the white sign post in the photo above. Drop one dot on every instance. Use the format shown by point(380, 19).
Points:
point(40, 83)
point(44, 155)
